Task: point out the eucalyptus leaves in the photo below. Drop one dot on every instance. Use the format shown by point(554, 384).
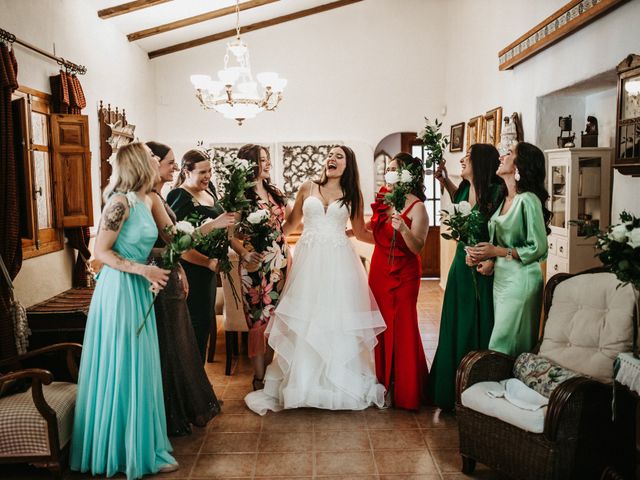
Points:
point(434, 142)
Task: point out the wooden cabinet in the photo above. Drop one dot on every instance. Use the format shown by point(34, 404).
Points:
point(627, 159)
point(579, 184)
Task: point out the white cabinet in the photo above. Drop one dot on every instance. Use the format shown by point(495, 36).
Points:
point(579, 184)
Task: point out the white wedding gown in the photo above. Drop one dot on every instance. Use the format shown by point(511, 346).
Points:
point(325, 326)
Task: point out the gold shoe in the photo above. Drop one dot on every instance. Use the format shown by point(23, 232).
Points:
point(169, 467)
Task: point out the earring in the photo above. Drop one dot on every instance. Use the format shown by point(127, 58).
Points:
point(517, 175)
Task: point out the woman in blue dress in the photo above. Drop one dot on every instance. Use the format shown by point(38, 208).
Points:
point(119, 423)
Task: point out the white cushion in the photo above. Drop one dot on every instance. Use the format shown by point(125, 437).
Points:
point(476, 398)
point(589, 323)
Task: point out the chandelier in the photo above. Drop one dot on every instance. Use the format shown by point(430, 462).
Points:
point(235, 94)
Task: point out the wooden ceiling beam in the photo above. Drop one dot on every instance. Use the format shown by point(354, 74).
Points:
point(128, 8)
point(250, 28)
point(203, 17)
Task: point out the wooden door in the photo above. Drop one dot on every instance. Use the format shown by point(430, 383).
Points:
point(430, 254)
point(72, 170)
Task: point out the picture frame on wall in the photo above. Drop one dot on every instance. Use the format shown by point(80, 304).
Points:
point(474, 130)
point(457, 137)
point(492, 126)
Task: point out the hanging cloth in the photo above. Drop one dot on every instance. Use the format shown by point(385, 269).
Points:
point(10, 243)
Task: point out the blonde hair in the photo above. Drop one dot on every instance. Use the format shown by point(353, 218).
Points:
point(132, 171)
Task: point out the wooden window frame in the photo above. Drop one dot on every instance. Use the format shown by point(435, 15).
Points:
point(45, 240)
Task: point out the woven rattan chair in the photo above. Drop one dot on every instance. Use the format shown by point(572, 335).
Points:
point(579, 439)
point(36, 422)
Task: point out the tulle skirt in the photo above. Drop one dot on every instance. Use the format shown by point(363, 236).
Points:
point(323, 334)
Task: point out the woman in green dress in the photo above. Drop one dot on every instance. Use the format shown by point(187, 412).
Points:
point(518, 242)
point(119, 423)
point(466, 320)
point(192, 195)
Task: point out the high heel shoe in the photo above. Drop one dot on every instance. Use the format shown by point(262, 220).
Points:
point(258, 383)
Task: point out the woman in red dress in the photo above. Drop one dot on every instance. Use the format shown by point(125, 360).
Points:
point(394, 279)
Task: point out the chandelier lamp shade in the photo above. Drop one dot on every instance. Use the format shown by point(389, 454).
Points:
point(235, 93)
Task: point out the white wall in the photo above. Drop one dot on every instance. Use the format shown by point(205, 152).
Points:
point(479, 30)
point(356, 74)
point(117, 72)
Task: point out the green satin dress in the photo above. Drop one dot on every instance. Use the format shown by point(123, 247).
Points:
point(518, 283)
point(466, 321)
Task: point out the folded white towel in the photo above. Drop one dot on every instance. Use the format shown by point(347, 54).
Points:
point(518, 394)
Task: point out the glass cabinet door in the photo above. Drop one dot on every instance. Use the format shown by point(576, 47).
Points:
point(558, 193)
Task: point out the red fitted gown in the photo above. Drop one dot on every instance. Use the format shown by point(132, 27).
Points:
point(395, 281)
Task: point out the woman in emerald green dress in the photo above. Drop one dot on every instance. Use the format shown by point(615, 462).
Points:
point(518, 242)
point(466, 320)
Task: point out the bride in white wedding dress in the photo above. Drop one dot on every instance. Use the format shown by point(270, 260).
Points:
point(325, 326)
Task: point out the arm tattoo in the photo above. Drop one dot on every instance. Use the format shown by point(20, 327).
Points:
point(113, 216)
point(123, 262)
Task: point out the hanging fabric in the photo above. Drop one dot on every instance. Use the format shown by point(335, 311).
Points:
point(10, 243)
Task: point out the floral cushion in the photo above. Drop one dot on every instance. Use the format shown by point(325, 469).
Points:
point(540, 374)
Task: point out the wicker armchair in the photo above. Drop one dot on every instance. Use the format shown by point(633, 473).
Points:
point(36, 422)
point(579, 439)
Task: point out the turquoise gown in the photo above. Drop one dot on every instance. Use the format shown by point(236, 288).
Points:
point(119, 423)
point(518, 283)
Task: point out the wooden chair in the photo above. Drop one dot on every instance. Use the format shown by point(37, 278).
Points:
point(36, 422)
point(588, 321)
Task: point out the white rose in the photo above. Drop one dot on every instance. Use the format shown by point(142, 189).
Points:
point(391, 178)
point(257, 217)
point(634, 238)
point(184, 226)
point(464, 208)
point(619, 233)
point(406, 177)
point(242, 163)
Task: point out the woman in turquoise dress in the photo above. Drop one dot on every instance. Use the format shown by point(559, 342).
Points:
point(518, 242)
point(119, 423)
point(466, 320)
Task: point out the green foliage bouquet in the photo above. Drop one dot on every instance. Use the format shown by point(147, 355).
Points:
point(434, 142)
point(465, 226)
point(184, 236)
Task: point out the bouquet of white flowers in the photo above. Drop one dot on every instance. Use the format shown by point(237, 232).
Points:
point(403, 181)
point(259, 230)
point(465, 225)
point(184, 236)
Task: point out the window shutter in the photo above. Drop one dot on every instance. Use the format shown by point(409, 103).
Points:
point(72, 170)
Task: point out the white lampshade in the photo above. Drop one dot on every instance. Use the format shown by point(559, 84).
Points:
point(248, 90)
point(200, 81)
point(279, 84)
point(238, 48)
point(228, 76)
point(267, 78)
point(214, 87)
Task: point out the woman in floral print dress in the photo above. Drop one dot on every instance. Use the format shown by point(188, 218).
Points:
point(263, 273)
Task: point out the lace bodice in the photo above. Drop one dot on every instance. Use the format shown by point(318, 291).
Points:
point(324, 226)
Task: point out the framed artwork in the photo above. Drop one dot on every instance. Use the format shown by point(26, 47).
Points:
point(474, 130)
point(492, 126)
point(457, 137)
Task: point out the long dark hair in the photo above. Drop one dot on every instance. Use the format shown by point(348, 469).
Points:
point(531, 167)
point(160, 150)
point(188, 163)
point(251, 152)
point(415, 164)
point(349, 182)
point(485, 160)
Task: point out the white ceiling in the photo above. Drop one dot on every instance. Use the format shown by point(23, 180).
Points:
point(180, 9)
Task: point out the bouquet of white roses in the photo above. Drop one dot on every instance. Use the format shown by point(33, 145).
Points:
point(184, 236)
point(465, 226)
point(259, 230)
point(434, 142)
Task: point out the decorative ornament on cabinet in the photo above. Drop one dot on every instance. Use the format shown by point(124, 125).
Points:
point(115, 132)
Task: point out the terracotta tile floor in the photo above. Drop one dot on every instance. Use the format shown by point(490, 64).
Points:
point(307, 443)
